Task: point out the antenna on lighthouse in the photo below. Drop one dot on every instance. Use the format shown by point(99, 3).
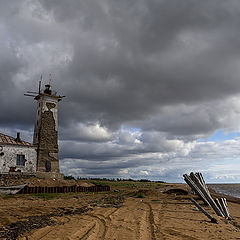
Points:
point(39, 85)
point(46, 91)
point(50, 78)
point(35, 93)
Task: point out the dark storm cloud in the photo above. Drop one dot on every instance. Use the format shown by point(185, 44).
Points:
point(10, 65)
point(136, 57)
point(130, 58)
point(167, 71)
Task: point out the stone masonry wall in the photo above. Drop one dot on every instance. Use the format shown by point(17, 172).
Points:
point(48, 140)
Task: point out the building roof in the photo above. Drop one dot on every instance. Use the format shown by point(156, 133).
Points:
point(5, 139)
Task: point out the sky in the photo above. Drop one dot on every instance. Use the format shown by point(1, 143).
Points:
point(152, 86)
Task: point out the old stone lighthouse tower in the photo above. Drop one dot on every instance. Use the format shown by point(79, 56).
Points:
point(45, 136)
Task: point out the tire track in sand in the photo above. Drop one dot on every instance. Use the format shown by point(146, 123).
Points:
point(105, 220)
point(101, 225)
point(88, 233)
point(151, 220)
point(107, 217)
point(123, 223)
point(135, 220)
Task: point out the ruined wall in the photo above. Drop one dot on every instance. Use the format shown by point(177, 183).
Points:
point(9, 159)
point(47, 135)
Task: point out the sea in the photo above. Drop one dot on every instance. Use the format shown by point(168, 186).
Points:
point(231, 189)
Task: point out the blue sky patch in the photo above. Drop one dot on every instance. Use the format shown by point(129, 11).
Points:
point(220, 136)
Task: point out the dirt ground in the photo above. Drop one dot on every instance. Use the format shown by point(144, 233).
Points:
point(129, 211)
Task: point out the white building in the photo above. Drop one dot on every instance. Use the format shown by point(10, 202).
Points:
point(17, 155)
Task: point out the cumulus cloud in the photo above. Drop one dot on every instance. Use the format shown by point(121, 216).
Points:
point(86, 132)
point(144, 79)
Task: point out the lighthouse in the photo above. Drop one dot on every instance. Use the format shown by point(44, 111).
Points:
point(45, 137)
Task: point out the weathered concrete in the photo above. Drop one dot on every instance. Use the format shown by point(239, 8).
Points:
point(45, 133)
point(50, 175)
point(9, 158)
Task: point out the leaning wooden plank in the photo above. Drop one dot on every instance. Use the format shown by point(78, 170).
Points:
point(219, 205)
point(225, 201)
point(200, 176)
point(213, 220)
point(200, 179)
point(204, 182)
point(208, 197)
point(194, 176)
point(224, 207)
point(194, 187)
point(197, 174)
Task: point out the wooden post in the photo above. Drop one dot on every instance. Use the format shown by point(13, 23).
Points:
point(213, 220)
point(225, 201)
point(207, 196)
point(219, 205)
point(200, 177)
point(195, 188)
point(224, 207)
point(204, 183)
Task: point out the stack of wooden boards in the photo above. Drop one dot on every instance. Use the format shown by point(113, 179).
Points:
point(198, 185)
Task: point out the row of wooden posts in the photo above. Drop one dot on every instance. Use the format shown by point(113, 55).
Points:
point(63, 189)
point(198, 185)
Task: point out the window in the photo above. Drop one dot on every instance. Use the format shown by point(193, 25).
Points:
point(20, 160)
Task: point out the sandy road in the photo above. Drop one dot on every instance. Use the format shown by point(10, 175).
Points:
point(134, 220)
point(156, 216)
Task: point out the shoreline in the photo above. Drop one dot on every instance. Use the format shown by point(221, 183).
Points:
point(231, 190)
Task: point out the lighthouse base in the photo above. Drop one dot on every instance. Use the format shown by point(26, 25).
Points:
point(50, 175)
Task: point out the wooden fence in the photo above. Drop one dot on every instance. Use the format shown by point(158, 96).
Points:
point(63, 189)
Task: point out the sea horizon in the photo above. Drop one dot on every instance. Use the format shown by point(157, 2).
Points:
point(231, 189)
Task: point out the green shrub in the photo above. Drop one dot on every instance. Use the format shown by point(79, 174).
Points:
point(140, 195)
point(69, 177)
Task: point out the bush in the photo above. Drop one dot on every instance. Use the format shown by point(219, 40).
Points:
point(69, 177)
point(140, 195)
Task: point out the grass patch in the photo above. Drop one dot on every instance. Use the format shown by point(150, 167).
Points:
point(126, 184)
point(8, 196)
point(156, 200)
point(46, 196)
